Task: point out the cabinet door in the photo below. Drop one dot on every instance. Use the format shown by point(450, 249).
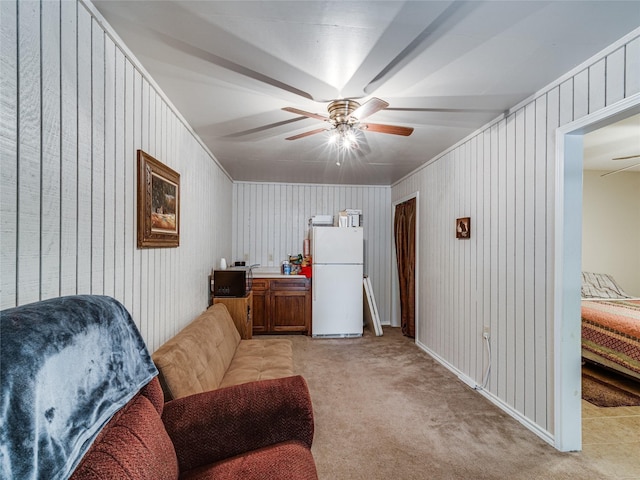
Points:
point(240, 311)
point(248, 317)
point(260, 306)
point(289, 311)
point(259, 313)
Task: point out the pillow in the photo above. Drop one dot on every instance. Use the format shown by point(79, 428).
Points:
point(600, 285)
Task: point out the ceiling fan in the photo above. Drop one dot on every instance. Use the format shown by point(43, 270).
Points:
point(628, 167)
point(346, 117)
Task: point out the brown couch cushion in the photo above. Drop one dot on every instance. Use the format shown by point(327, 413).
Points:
point(208, 354)
point(197, 359)
point(134, 444)
point(259, 359)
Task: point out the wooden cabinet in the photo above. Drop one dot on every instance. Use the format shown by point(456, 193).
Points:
point(241, 310)
point(282, 305)
point(290, 306)
point(260, 292)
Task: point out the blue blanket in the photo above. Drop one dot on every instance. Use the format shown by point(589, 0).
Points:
point(67, 365)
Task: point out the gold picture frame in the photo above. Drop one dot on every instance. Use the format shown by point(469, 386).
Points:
point(158, 204)
point(463, 227)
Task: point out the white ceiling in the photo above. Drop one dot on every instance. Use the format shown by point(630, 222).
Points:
point(605, 149)
point(446, 68)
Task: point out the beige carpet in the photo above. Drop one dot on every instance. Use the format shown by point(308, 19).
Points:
point(385, 410)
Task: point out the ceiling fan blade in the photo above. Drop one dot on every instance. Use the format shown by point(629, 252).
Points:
point(620, 170)
point(392, 129)
point(262, 128)
point(446, 110)
point(306, 134)
point(626, 158)
point(369, 108)
point(306, 114)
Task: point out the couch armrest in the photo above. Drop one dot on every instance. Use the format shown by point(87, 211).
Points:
point(211, 426)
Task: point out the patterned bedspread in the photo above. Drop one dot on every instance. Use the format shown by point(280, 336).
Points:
point(611, 330)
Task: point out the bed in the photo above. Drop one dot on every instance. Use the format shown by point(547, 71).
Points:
point(610, 325)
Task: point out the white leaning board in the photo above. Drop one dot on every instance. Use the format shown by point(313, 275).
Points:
point(370, 308)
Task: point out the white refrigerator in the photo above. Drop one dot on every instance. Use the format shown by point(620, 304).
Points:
point(337, 263)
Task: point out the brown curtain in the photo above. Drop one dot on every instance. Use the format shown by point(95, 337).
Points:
point(404, 227)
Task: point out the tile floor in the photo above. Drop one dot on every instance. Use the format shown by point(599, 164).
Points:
point(612, 436)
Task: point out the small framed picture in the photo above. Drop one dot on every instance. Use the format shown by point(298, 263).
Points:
point(158, 204)
point(463, 227)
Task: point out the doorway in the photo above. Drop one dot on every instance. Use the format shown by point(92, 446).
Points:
point(404, 264)
point(567, 268)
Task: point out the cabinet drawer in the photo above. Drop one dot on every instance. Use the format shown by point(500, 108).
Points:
point(260, 284)
point(293, 284)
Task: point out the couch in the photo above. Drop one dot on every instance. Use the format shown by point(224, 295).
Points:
point(209, 354)
point(81, 400)
point(255, 431)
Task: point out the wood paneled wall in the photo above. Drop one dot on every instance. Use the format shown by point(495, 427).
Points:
point(502, 278)
point(75, 108)
point(270, 221)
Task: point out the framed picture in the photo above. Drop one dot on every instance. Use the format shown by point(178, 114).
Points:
point(158, 203)
point(463, 227)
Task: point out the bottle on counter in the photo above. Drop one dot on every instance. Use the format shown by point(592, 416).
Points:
point(286, 268)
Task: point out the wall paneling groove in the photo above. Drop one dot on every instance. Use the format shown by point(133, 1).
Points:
point(503, 176)
point(75, 108)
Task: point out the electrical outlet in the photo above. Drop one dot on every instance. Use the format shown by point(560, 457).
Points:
point(486, 332)
point(271, 257)
point(246, 257)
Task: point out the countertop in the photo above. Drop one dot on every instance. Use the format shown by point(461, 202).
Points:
point(272, 273)
point(275, 275)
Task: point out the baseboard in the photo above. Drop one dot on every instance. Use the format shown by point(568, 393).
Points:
point(524, 421)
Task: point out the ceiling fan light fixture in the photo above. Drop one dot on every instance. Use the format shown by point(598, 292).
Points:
point(345, 120)
point(350, 135)
point(340, 111)
point(343, 136)
point(347, 143)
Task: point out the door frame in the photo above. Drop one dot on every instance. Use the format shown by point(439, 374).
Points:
point(568, 266)
point(395, 294)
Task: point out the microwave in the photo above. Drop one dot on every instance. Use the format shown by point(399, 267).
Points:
point(232, 282)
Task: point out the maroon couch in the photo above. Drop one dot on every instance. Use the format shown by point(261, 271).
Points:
point(261, 430)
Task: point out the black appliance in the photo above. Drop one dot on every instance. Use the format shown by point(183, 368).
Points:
point(232, 282)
